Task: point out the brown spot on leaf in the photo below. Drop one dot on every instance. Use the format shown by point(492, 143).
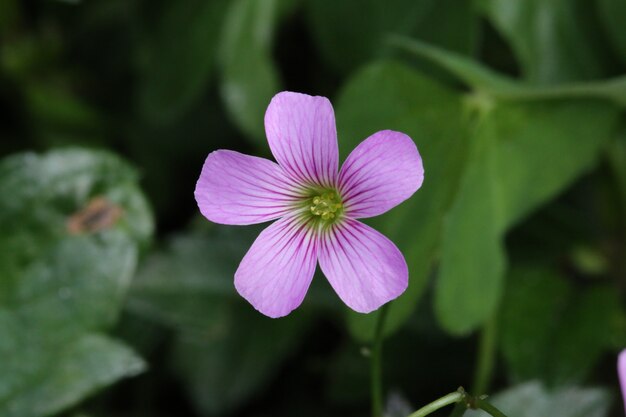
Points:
point(99, 214)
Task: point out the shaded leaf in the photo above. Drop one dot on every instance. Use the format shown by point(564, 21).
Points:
point(613, 13)
point(504, 88)
point(350, 33)
point(234, 357)
point(578, 325)
point(89, 364)
point(250, 78)
point(553, 40)
point(469, 284)
point(59, 285)
point(533, 400)
point(176, 56)
point(541, 148)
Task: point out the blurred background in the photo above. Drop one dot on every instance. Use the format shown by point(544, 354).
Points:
point(117, 297)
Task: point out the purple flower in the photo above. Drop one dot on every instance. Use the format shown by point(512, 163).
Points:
point(621, 372)
point(316, 205)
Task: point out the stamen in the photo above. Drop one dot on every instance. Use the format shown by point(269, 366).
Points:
point(326, 205)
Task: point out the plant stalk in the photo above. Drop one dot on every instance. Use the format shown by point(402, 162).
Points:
point(376, 365)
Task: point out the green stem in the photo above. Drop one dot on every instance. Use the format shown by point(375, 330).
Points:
point(459, 409)
point(376, 366)
point(485, 406)
point(486, 357)
point(453, 397)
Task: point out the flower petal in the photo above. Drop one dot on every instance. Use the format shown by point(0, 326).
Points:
point(621, 372)
point(383, 171)
point(303, 138)
point(234, 188)
point(275, 274)
point(364, 267)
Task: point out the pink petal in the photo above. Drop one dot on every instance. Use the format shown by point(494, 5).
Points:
point(364, 267)
point(303, 138)
point(275, 274)
point(234, 188)
point(621, 372)
point(383, 171)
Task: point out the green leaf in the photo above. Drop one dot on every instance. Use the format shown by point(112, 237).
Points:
point(224, 351)
point(392, 96)
point(89, 364)
point(532, 296)
point(544, 147)
point(612, 13)
point(501, 87)
point(191, 278)
point(250, 78)
point(541, 147)
point(578, 325)
point(616, 154)
point(553, 40)
point(472, 259)
point(532, 400)
point(176, 56)
point(236, 354)
point(69, 239)
point(350, 33)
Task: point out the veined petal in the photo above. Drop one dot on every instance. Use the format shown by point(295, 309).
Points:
point(303, 138)
point(621, 372)
point(239, 189)
point(275, 274)
point(364, 267)
point(383, 171)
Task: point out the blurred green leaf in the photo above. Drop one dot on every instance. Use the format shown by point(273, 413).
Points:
point(350, 33)
point(192, 278)
point(224, 350)
point(250, 78)
point(60, 117)
point(65, 266)
point(533, 400)
point(392, 96)
point(553, 40)
point(542, 147)
point(532, 296)
point(577, 326)
point(89, 364)
point(501, 87)
point(234, 357)
point(9, 15)
point(585, 333)
point(613, 13)
point(450, 24)
point(177, 55)
point(616, 154)
point(472, 259)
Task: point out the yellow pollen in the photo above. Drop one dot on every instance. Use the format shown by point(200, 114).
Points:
point(326, 205)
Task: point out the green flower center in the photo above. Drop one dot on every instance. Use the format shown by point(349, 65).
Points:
point(327, 205)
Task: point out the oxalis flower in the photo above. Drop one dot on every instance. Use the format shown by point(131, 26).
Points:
point(317, 207)
point(621, 373)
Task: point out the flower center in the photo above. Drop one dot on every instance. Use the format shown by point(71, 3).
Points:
point(326, 205)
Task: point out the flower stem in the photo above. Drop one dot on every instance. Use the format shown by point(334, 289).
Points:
point(459, 409)
point(486, 357)
point(453, 397)
point(485, 406)
point(376, 366)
